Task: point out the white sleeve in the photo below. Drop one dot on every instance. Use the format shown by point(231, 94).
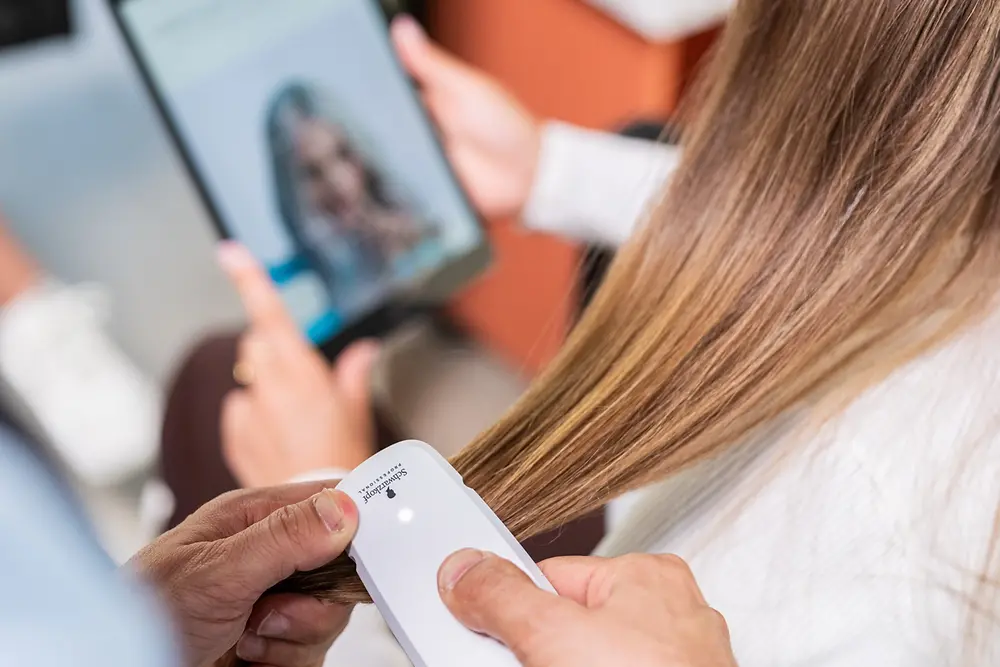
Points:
point(666, 20)
point(594, 186)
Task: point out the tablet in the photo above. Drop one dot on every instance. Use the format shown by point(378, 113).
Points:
point(310, 146)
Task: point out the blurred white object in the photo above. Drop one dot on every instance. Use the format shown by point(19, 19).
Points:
point(666, 20)
point(156, 506)
point(99, 413)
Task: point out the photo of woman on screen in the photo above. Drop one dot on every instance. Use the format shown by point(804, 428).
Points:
point(333, 200)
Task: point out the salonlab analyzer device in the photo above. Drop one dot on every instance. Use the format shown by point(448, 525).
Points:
point(415, 511)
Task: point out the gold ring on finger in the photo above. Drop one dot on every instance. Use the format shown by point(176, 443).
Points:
point(243, 373)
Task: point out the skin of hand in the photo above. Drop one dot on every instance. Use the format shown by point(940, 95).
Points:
point(213, 572)
point(635, 610)
point(491, 139)
point(297, 414)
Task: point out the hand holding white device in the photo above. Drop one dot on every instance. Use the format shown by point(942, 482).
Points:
point(414, 511)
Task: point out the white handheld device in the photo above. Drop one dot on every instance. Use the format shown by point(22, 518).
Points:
point(415, 511)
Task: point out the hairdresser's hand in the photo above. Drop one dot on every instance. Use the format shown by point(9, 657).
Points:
point(213, 569)
point(635, 610)
point(295, 414)
point(490, 138)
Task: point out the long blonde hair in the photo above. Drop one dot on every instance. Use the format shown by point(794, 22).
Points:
point(835, 215)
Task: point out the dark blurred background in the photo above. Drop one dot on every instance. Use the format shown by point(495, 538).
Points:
point(23, 21)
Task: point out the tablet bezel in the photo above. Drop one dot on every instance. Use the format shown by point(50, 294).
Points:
point(396, 308)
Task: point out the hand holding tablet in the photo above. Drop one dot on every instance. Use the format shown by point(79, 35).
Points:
point(295, 413)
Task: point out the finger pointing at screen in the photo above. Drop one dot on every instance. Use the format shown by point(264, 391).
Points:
point(295, 414)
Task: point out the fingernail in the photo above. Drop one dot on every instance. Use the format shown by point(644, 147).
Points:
point(457, 566)
point(274, 625)
point(410, 26)
point(251, 647)
point(329, 510)
point(230, 254)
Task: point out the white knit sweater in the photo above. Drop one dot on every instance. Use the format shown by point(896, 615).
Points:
point(852, 547)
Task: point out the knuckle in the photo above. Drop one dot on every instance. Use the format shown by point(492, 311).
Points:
point(674, 566)
point(241, 505)
point(636, 566)
point(231, 501)
point(649, 571)
point(716, 622)
point(331, 625)
point(310, 620)
point(288, 525)
point(238, 496)
point(637, 561)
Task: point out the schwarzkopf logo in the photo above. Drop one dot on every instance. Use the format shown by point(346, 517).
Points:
point(383, 483)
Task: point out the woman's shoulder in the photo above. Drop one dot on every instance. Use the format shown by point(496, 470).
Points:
point(872, 535)
point(930, 428)
point(933, 420)
point(894, 504)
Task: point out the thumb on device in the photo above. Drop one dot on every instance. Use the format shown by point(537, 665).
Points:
point(293, 538)
point(494, 597)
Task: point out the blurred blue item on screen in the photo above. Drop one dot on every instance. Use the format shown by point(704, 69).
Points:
point(324, 328)
point(285, 272)
point(319, 328)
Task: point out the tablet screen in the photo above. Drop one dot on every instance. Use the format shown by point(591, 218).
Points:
point(309, 145)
